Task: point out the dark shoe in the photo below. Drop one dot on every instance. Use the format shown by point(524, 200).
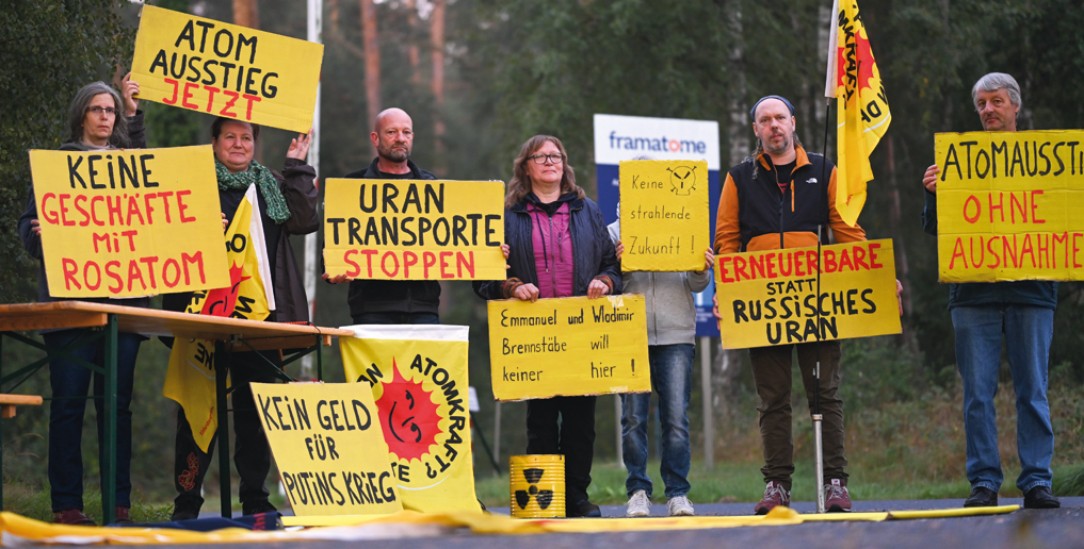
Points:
point(836, 497)
point(121, 517)
point(185, 510)
point(583, 508)
point(72, 516)
point(1040, 497)
point(981, 497)
point(774, 495)
point(257, 507)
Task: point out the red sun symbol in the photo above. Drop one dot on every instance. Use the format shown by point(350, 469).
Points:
point(408, 415)
point(221, 301)
point(863, 56)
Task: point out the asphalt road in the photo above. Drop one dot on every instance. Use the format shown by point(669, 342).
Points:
point(1056, 528)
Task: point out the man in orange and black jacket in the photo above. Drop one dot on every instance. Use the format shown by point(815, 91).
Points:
point(784, 197)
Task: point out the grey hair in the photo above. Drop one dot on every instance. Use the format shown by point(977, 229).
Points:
point(997, 81)
point(78, 109)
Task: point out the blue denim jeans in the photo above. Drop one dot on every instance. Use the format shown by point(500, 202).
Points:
point(1026, 332)
point(671, 371)
point(69, 379)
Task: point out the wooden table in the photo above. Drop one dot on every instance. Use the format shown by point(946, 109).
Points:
point(229, 335)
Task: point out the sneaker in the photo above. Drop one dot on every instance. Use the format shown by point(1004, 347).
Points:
point(679, 506)
point(583, 508)
point(72, 516)
point(639, 505)
point(981, 497)
point(121, 517)
point(774, 495)
point(1040, 497)
point(836, 497)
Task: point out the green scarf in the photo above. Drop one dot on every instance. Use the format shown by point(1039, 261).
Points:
point(265, 182)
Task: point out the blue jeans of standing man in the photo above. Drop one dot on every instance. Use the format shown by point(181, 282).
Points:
point(69, 378)
point(1026, 332)
point(671, 370)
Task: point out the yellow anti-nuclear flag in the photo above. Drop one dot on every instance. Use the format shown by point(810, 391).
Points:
point(190, 377)
point(862, 114)
point(418, 374)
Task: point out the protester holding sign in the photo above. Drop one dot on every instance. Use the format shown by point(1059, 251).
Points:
point(393, 301)
point(287, 205)
point(986, 314)
point(784, 197)
point(671, 333)
point(99, 119)
point(557, 246)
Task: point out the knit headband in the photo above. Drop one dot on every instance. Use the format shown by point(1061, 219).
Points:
point(753, 111)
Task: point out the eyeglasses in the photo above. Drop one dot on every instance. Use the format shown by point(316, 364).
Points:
point(547, 158)
point(99, 110)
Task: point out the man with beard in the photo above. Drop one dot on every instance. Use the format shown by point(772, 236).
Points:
point(1020, 313)
point(393, 301)
point(780, 198)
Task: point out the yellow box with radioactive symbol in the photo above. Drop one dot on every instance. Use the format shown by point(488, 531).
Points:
point(537, 484)
point(664, 215)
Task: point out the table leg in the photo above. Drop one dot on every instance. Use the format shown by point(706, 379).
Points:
point(109, 490)
point(221, 371)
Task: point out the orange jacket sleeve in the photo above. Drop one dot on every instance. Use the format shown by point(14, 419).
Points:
point(727, 229)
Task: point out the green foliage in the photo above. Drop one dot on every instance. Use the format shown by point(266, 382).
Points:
point(50, 50)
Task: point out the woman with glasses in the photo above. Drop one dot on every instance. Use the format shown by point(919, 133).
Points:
point(99, 118)
point(556, 246)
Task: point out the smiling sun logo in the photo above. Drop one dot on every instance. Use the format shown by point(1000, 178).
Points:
point(408, 416)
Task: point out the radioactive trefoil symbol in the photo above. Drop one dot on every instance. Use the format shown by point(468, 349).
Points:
point(682, 180)
point(543, 497)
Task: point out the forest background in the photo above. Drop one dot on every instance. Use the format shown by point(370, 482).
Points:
point(481, 76)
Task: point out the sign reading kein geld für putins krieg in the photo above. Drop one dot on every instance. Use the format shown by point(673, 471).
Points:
point(619, 138)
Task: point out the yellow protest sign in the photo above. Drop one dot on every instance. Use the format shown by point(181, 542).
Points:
point(327, 443)
point(418, 376)
point(664, 215)
point(1010, 206)
point(773, 297)
point(227, 70)
point(570, 346)
point(129, 223)
point(414, 230)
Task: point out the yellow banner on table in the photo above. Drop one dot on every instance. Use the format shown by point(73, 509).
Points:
point(418, 375)
point(570, 346)
point(129, 223)
point(227, 70)
point(771, 297)
point(328, 445)
point(414, 230)
point(664, 215)
point(1010, 206)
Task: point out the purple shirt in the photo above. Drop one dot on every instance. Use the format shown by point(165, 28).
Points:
point(552, 250)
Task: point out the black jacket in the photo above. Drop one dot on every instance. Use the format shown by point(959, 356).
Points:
point(393, 296)
point(593, 252)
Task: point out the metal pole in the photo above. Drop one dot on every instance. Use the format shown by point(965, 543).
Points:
point(617, 428)
point(314, 30)
point(705, 390)
point(818, 441)
point(497, 433)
